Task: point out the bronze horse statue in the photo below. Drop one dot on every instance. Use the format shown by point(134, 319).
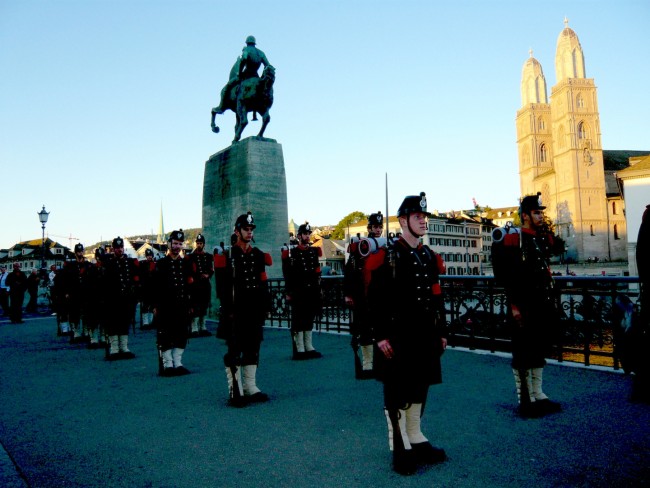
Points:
point(250, 95)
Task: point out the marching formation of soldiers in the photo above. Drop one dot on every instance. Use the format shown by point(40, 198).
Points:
point(391, 285)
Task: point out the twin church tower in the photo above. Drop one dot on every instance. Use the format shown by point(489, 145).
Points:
point(560, 154)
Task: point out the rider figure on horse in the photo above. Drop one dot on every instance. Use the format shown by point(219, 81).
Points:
point(245, 67)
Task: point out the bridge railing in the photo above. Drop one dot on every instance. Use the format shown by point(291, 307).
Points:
point(477, 314)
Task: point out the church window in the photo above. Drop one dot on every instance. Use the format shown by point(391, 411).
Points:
point(541, 125)
point(580, 102)
point(583, 131)
point(614, 209)
point(616, 232)
point(591, 230)
point(543, 156)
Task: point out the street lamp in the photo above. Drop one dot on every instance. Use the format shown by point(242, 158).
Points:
point(42, 216)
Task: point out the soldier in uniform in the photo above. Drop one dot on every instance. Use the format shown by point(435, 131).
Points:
point(94, 296)
point(201, 266)
point(147, 268)
point(122, 277)
point(75, 273)
point(407, 310)
point(173, 281)
point(521, 266)
point(355, 281)
point(244, 296)
point(301, 271)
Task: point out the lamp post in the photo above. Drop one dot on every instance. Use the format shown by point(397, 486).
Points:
point(42, 216)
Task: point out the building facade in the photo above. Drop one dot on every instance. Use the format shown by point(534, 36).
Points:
point(560, 155)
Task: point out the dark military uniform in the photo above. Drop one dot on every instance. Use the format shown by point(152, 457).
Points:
point(301, 271)
point(201, 267)
point(94, 300)
point(75, 274)
point(356, 277)
point(122, 277)
point(521, 266)
point(245, 300)
point(407, 311)
point(173, 281)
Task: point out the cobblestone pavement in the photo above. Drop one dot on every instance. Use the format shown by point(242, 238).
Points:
point(68, 418)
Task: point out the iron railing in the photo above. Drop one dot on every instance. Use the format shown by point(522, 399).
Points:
point(477, 314)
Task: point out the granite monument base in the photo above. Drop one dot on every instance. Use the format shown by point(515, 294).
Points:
point(247, 176)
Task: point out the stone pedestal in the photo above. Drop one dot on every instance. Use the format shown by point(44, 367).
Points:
point(249, 175)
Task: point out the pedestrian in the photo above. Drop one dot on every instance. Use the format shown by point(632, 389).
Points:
point(521, 266)
point(201, 265)
point(75, 273)
point(641, 333)
point(356, 276)
point(407, 311)
point(172, 283)
point(33, 281)
point(121, 279)
point(4, 291)
point(17, 283)
point(302, 275)
point(242, 290)
point(147, 268)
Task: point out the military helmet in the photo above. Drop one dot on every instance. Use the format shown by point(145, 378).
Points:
point(531, 202)
point(376, 219)
point(304, 228)
point(118, 242)
point(245, 220)
point(200, 238)
point(413, 204)
point(177, 235)
point(100, 252)
point(251, 40)
point(79, 247)
point(148, 252)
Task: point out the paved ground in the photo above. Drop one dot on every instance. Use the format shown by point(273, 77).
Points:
point(69, 418)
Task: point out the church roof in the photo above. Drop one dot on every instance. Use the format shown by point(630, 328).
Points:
point(615, 160)
point(640, 168)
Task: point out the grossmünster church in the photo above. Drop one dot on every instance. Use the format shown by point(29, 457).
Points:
point(560, 155)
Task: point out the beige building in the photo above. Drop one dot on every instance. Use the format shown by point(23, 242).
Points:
point(561, 155)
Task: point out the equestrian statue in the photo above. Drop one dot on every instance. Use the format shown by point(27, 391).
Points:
point(246, 91)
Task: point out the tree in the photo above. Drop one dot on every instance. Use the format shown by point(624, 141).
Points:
point(350, 219)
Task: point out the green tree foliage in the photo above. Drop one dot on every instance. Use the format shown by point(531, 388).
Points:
point(350, 219)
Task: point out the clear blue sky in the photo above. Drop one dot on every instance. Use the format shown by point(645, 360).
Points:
point(105, 105)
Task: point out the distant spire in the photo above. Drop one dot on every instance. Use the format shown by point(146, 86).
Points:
point(160, 238)
point(566, 22)
point(530, 51)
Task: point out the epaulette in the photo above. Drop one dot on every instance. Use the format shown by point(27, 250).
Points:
point(440, 263)
point(511, 240)
point(375, 260)
point(319, 252)
point(220, 261)
point(268, 260)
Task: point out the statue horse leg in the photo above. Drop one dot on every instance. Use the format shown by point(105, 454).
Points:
point(215, 129)
point(266, 118)
point(242, 120)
